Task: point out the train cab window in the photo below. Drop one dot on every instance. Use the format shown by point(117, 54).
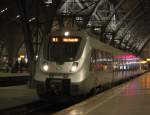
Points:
point(61, 49)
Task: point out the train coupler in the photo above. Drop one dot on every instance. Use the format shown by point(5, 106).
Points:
point(59, 87)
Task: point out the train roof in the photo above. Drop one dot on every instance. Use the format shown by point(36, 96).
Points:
point(105, 47)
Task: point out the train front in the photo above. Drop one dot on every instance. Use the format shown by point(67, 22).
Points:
point(59, 67)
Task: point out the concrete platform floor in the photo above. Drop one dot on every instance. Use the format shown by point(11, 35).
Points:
point(131, 98)
point(16, 95)
point(4, 74)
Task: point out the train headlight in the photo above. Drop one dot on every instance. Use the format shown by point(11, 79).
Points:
point(74, 67)
point(66, 33)
point(45, 67)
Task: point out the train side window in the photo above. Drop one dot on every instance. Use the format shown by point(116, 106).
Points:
point(92, 60)
point(100, 61)
point(110, 62)
point(99, 65)
point(106, 61)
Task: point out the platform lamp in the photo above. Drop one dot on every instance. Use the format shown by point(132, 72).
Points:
point(148, 60)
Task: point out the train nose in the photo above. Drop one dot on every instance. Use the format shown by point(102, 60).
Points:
point(58, 86)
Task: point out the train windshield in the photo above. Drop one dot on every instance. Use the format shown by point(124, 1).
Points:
point(61, 49)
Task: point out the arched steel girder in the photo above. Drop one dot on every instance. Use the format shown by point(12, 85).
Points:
point(80, 11)
point(140, 31)
point(142, 46)
point(129, 28)
point(119, 25)
point(99, 18)
point(110, 18)
point(76, 7)
point(141, 38)
point(65, 6)
point(126, 45)
point(94, 10)
point(141, 43)
point(115, 9)
point(137, 40)
point(132, 43)
point(122, 23)
point(91, 11)
point(96, 15)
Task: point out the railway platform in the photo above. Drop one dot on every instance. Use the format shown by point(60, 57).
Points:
point(4, 74)
point(16, 95)
point(130, 98)
point(11, 79)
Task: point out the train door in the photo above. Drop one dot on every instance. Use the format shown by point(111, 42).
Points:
point(93, 67)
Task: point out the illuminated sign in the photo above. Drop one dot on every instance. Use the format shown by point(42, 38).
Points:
point(70, 39)
point(54, 39)
point(65, 39)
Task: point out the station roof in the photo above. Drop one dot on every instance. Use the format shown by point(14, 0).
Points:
point(123, 24)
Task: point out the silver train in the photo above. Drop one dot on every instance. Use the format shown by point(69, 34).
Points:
point(74, 63)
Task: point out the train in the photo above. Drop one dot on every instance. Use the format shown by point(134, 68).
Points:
point(75, 62)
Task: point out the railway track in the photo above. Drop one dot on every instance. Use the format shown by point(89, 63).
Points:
point(39, 108)
point(25, 109)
